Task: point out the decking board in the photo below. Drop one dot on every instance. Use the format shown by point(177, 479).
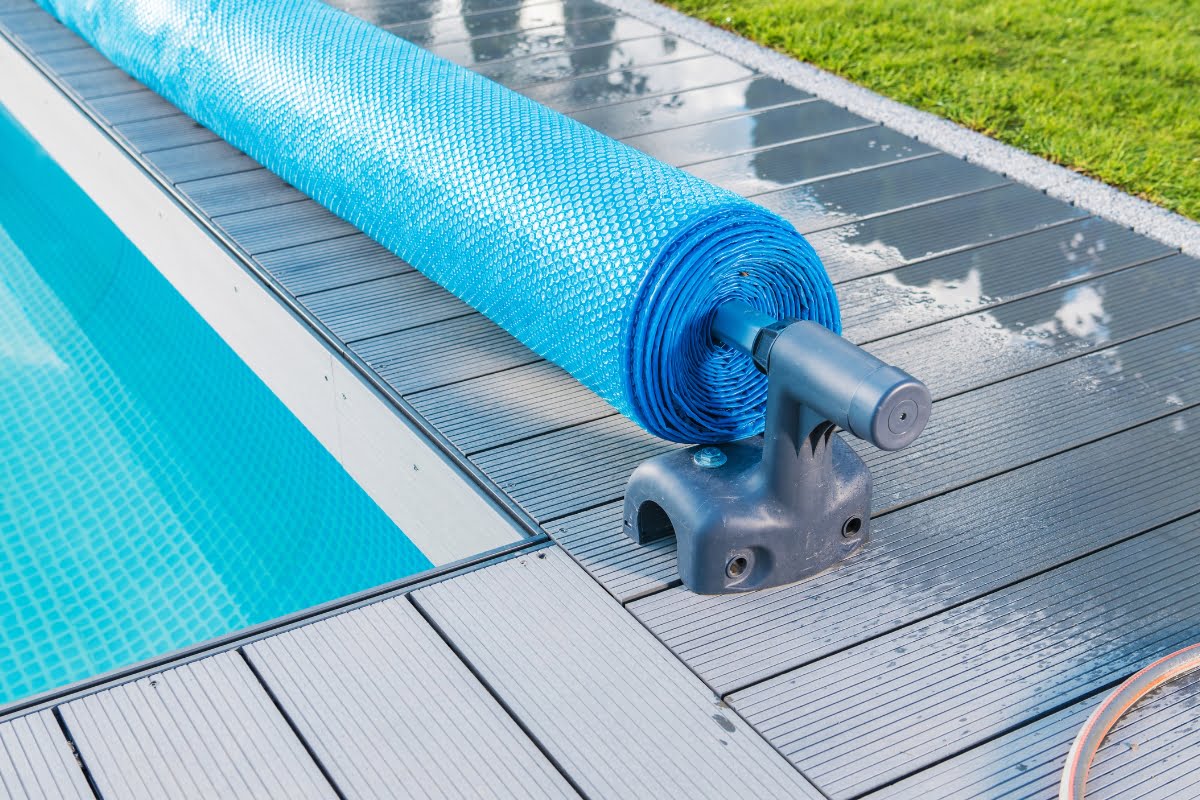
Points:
point(37, 762)
point(205, 729)
point(390, 710)
point(621, 715)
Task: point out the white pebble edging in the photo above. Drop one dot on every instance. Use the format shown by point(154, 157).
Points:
point(1059, 182)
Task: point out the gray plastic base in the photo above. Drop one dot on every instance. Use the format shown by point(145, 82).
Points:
point(733, 533)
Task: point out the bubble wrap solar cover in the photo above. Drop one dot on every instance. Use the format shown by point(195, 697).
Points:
point(601, 259)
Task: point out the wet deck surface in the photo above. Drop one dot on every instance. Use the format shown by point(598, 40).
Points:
point(1036, 546)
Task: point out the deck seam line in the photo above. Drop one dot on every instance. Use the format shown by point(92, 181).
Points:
point(250, 209)
point(483, 65)
point(502, 370)
point(76, 752)
point(843, 173)
point(837, 175)
point(477, 675)
point(580, 510)
point(291, 723)
point(362, 281)
point(116, 128)
point(674, 583)
point(1104, 346)
point(350, 8)
point(105, 95)
point(351, 342)
point(1098, 693)
point(742, 114)
point(647, 96)
point(1066, 283)
point(932, 201)
point(302, 295)
point(521, 88)
point(814, 137)
point(284, 204)
point(966, 248)
point(1052, 454)
point(391, 28)
point(530, 436)
point(255, 165)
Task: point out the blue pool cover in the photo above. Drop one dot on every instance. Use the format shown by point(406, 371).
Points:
point(603, 260)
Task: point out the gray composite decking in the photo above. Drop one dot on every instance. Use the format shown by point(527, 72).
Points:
point(1037, 545)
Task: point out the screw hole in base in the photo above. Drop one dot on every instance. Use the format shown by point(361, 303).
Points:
point(851, 527)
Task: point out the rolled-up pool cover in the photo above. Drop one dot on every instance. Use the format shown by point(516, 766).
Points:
point(603, 260)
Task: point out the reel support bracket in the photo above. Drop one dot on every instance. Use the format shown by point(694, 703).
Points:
point(773, 509)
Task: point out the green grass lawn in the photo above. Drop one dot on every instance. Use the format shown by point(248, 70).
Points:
point(1110, 88)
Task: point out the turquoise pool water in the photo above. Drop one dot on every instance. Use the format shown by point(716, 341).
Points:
point(153, 492)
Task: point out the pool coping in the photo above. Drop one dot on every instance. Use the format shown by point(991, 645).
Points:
point(1055, 180)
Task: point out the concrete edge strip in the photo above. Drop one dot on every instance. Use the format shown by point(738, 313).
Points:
point(1056, 181)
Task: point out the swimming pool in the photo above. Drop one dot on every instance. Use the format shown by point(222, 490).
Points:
point(154, 493)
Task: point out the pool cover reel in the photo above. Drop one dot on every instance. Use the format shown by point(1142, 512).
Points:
point(598, 257)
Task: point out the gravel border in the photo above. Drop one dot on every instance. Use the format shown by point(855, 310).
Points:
point(1087, 193)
